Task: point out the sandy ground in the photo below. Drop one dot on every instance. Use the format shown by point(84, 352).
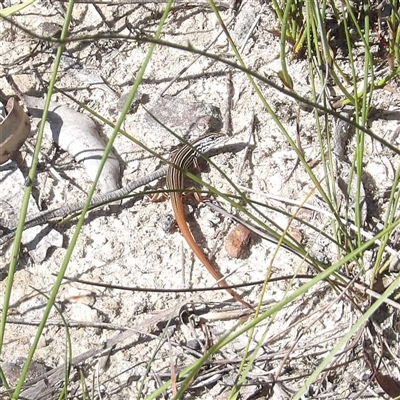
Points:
point(126, 244)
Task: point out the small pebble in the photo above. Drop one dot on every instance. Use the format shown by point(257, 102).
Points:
point(237, 241)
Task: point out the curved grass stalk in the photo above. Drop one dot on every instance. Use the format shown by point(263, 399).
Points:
point(194, 369)
point(24, 207)
point(80, 222)
point(9, 11)
point(358, 325)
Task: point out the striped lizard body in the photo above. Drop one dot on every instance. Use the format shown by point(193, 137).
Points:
point(183, 158)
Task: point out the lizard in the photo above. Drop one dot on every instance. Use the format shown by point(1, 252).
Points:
point(180, 161)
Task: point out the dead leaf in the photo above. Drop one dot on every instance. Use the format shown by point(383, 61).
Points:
point(14, 130)
point(388, 384)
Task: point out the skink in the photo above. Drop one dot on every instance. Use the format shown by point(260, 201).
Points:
point(183, 158)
